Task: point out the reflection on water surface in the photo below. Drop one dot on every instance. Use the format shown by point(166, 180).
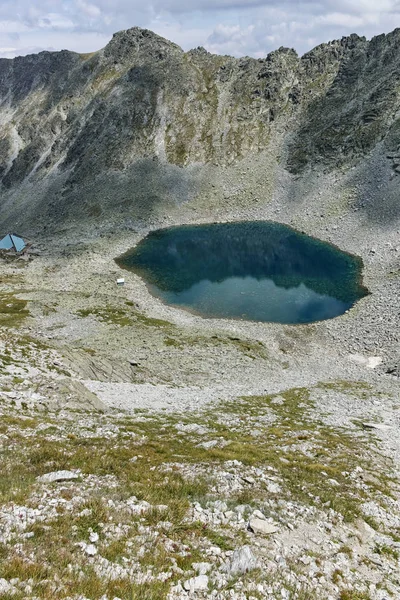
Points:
point(259, 271)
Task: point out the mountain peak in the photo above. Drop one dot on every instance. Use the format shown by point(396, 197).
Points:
point(126, 42)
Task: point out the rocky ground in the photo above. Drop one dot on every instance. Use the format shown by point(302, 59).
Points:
point(261, 497)
point(148, 453)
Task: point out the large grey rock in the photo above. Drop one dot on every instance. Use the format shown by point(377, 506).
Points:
point(7, 588)
point(257, 514)
point(377, 426)
point(58, 476)
point(91, 550)
point(196, 584)
point(261, 526)
point(202, 568)
point(242, 561)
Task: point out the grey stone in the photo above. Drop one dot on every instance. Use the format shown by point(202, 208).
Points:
point(221, 506)
point(258, 515)
point(378, 426)
point(208, 445)
point(91, 550)
point(58, 476)
point(196, 584)
point(260, 526)
point(202, 568)
point(6, 587)
point(249, 479)
point(242, 561)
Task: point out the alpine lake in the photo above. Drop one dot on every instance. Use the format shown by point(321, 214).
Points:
point(249, 270)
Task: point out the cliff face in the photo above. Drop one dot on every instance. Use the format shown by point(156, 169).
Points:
point(141, 109)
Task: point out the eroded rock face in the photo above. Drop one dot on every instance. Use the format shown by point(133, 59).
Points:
point(82, 126)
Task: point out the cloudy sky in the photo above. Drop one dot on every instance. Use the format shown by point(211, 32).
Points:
point(238, 27)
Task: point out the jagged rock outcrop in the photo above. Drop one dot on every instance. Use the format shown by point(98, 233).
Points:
point(80, 130)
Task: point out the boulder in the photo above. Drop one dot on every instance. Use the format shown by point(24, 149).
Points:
point(261, 526)
point(58, 476)
point(242, 561)
point(202, 568)
point(91, 550)
point(196, 584)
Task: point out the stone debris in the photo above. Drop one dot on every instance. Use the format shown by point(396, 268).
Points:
point(320, 541)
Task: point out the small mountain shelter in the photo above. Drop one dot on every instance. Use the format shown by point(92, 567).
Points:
point(12, 242)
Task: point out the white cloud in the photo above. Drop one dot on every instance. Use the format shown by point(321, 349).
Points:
point(55, 21)
point(12, 27)
point(12, 52)
point(341, 19)
point(238, 27)
point(226, 34)
point(363, 6)
point(91, 10)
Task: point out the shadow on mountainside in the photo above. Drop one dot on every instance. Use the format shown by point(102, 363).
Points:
point(377, 198)
point(147, 189)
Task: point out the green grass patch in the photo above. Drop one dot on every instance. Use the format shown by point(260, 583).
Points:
point(119, 316)
point(13, 310)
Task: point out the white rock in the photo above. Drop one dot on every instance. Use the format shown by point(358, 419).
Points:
point(176, 589)
point(192, 428)
point(6, 587)
point(273, 488)
point(261, 526)
point(249, 479)
point(379, 426)
point(58, 476)
point(139, 508)
point(208, 445)
point(258, 515)
point(229, 514)
point(334, 482)
point(371, 362)
point(220, 505)
point(241, 508)
point(94, 537)
point(195, 584)
point(91, 550)
point(215, 550)
point(242, 561)
point(202, 568)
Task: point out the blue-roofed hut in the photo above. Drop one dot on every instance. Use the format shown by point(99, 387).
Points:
point(12, 242)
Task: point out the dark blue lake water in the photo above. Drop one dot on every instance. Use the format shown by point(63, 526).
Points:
point(258, 271)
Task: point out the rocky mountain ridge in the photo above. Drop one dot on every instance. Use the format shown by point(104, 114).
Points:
point(144, 115)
